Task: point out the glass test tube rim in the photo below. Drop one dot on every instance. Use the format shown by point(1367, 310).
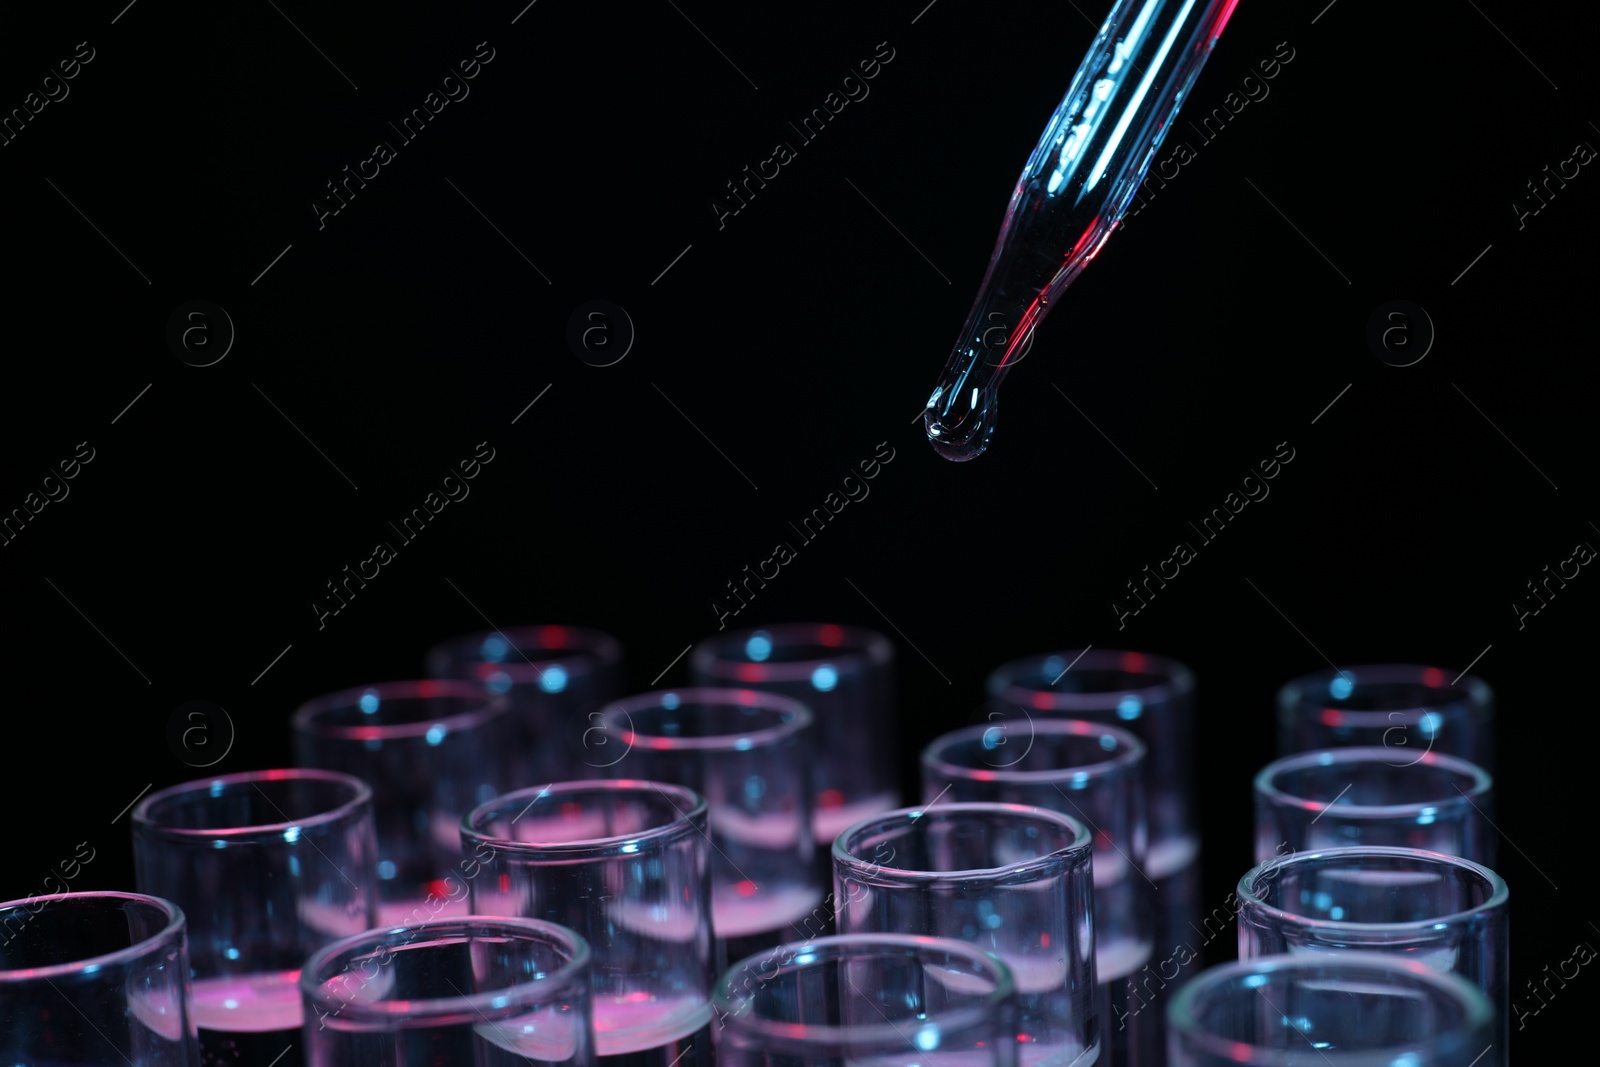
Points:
point(439, 1011)
point(1472, 693)
point(847, 863)
point(860, 650)
point(690, 807)
point(911, 946)
point(491, 706)
point(796, 718)
point(592, 652)
point(1130, 753)
point(175, 924)
point(1482, 780)
point(146, 823)
point(1500, 893)
point(1181, 1009)
point(1004, 684)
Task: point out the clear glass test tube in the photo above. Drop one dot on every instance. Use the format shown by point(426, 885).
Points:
point(1151, 697)
point(490, 992)
point(1095, 774)
point(1350, 1010)
point(1406, 708)
point(625, 864)
point(749, 753)
point(1342, 797)
point(268, 867)
point(845, 675)
point(1442, 911)
point(432, 751)
point(556, 678)
point(94, 978)
point(868, 1000)
point(1015, 881)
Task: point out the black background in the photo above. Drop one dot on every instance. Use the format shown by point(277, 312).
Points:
point(796, 338)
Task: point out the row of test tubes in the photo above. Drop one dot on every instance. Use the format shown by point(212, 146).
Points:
point(511, 862)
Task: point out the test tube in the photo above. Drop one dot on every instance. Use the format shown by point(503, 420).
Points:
point(626, 865)
point(1442, 911)
point(490, 992)
point(1151, 697)
point(868, 1000)
point(268, 867)
point(1012, 880)
point(1349, 1010)
point(1343, 797)
point(845, 675)
point(1095, 774)
point(556, 677)
point(431, 751)
point(94, 978)
point(1406, 708)
point(749, 753)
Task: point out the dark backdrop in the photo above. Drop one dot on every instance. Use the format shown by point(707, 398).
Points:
point(773, 352)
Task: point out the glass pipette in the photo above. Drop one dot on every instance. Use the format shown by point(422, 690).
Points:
point(1079, 180)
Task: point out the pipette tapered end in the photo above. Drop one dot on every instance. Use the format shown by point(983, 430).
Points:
point(957, 432)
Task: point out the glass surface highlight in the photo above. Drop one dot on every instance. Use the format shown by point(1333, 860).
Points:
point(1343, 797)
point(556, 678)
point(873, 1000)
point(1409, 709)
point(626, 865)
point(1442, 911)
point(268, 867)
point(1351, 1010)
point(845, 675)
point(94, 978)
point(489, 992)
point(1014, 881)
point(1072, 194)
point(1094, 774)
point(431, 751)
point(749, 753)
point(1151, 697)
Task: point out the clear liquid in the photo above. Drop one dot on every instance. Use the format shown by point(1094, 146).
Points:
point(1130, 1025)
point(547, 1038)
point(411, 911)
point(651, 1032)
point(754, 925)
point(829, 823)
point(1042, 1038)
point(249, 1020)
point(960, 1057)
point(770, 909)
point(1442, 959)
point(158, 1009)
point(1174, 866)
